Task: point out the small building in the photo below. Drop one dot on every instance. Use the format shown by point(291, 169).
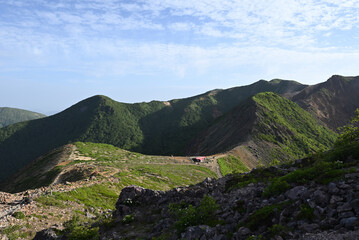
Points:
point(198, 159)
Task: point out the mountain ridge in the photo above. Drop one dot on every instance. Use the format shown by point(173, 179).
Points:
point(153, 128)
point(269, 123)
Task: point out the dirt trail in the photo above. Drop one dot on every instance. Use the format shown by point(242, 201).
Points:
point(213, 164)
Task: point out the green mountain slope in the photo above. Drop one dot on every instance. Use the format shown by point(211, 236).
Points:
point(163, 128)
point(10, 116)
point(270, 126)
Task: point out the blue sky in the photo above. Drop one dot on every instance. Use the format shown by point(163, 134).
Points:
point(56, 53)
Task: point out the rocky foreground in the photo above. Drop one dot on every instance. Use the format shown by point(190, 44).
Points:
point(335, 209)
point(310, 199)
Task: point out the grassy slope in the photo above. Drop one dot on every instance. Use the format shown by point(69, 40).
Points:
point(288, 126)
point(323, 167)
point(10, 116)
point(231, 164)
point(154, 172)
point(272, 126)
point(152, 128)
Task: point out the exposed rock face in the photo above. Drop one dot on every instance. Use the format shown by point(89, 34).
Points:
point(46, 234)
point(333, 102)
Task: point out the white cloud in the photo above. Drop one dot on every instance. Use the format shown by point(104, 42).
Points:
point(181, 26)
point(263, 22)
point(116, 38)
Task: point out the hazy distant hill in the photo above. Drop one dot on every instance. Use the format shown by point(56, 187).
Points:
point(271, 126)
point(13, 115)
point(153, 128)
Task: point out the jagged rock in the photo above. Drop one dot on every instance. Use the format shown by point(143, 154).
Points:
point(335, 199)
point(346, 214)
point(350, 222)
point(309, 227)
point(321, 198)
point(278, 238)
point(297, 192)
point(134, 195)
point(193, 233)
point(344, 186)
point(243, 231)
point(332, 187)
point(355, 206)
point(90, 215)
point(352, 175)
point(344, 208)
point(46, 234)
point(3, 237)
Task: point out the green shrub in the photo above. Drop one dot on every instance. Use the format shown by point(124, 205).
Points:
point(188, 215)
point(128, 219)
point(76, 231)
point(259, 174)
point(277, 229)
point(10, 229)
point(264, 215)
point(306, 213)
point(50, 201)
point(277, 187)
point(84, 233)
point(240, 206)
point(349, 132)
point(253, 237)
point(18, 215)
point(107, 222)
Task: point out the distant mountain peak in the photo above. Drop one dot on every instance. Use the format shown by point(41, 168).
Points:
point(10, 116)
point(279, 81)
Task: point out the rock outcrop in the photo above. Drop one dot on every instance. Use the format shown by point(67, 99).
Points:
point(305, 209)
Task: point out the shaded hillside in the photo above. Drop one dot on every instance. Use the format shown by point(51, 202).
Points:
point(333, 102)
point(271, 126)
point(97, 119)
point(170, 129)
point(154, 128)
point(10, 116)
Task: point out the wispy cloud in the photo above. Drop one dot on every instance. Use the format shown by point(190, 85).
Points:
point(266, 23)
point(161, 39)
